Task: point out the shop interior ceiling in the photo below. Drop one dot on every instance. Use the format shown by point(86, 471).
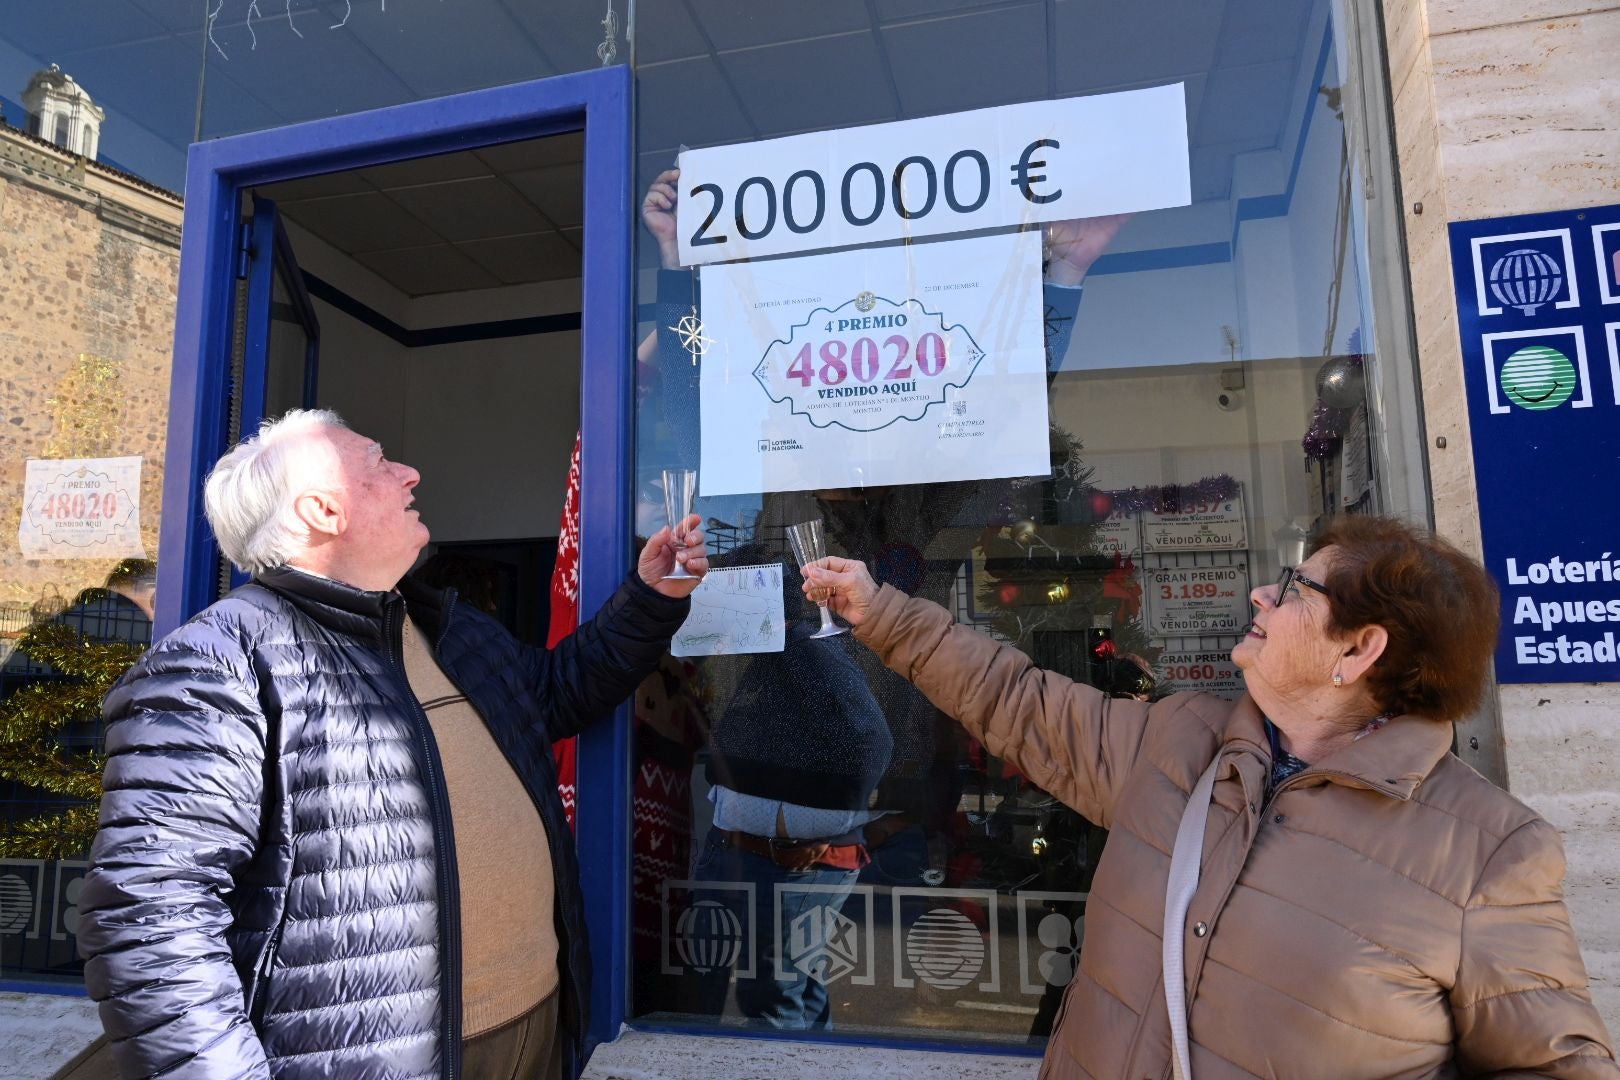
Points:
point(505, 215)
point(709, 71)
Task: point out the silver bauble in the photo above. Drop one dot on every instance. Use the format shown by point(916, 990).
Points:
point(1340, 383)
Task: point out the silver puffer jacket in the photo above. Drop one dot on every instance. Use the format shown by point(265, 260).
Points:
point(273, 891)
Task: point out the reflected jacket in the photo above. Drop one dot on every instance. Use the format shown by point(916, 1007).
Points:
point(1387, 912)
point(273, 890)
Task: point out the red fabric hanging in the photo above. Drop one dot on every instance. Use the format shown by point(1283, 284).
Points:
point(565, 617)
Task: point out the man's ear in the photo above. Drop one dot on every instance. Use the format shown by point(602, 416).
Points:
point(322, 513)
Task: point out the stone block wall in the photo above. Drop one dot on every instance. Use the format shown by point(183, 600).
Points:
point(88, 271)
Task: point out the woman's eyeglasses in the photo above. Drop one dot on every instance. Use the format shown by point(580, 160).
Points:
point(1291, 577)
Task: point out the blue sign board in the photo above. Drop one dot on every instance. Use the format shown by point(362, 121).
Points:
point(1539, 303)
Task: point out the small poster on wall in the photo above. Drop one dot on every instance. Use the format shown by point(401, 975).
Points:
point(1119, 534)
point(82, 508)
point(900, 365)
point(1210, 525)
point(1207, 672)
point(1192, 601)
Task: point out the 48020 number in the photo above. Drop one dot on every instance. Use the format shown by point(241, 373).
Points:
point(79, 506)
point(864, 359)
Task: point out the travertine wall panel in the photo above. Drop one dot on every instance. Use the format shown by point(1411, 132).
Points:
point(1529, 115)
point(1452, 16)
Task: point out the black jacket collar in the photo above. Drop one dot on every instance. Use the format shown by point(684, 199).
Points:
point(359, 612)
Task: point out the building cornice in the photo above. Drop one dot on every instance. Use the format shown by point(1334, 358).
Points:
point(117, 197)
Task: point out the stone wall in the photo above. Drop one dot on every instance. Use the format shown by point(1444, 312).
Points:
point(88, 270)
point(1511, 107)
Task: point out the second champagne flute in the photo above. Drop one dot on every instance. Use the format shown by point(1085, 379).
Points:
point(809, 544)
point(680, 487)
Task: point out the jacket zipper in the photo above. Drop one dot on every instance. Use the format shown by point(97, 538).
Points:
point(443, 842)
point(261, 975)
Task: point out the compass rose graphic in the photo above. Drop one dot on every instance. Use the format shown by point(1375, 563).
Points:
point(690, 331)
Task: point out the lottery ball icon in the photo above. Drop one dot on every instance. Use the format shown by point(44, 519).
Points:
point(1538, 378)
point(945, 948)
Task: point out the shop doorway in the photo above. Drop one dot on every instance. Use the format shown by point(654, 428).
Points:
point(424, 270)
point(434, 304)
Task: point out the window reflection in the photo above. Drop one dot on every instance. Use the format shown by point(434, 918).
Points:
point(1206, 395)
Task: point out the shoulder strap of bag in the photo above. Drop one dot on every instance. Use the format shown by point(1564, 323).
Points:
point(1178, 894)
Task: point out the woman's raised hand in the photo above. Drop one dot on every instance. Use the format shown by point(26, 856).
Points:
point(845, 583)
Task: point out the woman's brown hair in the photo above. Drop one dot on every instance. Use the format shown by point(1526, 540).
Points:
point(1439, 606)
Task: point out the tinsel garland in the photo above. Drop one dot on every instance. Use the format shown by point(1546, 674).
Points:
point(1326, 430)
point(1171, 498)
point(30, 753)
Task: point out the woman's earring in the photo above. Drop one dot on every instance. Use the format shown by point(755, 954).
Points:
point(1338, 680)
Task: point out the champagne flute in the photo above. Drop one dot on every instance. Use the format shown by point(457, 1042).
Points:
point(680, 486)
point(809, 544)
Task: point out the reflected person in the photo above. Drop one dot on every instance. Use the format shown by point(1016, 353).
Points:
point(794, 762)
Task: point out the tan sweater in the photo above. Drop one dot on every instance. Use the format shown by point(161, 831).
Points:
point(508, 932)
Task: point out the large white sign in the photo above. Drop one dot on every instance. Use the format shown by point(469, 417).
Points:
point(82, 508)
point(986, 169)
point(897, 365)
point(1191, 601)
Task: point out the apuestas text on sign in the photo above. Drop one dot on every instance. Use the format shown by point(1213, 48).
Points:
point(1549, 624)
point(985, 169)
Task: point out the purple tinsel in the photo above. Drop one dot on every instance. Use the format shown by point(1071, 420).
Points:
point(1170, 498)
point(1327, 428)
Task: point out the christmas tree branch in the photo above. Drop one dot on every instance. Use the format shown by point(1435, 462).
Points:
point(60, 835)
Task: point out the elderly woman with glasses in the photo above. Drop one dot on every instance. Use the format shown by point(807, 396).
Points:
point(1365, 904)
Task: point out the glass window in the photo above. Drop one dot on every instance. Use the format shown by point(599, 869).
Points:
point(91, 254)
point(83, 464)
point(1197, 407)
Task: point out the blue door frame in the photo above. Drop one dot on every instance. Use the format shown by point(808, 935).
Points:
point(216, 174)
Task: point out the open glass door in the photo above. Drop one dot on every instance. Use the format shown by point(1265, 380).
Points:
point(276, 347)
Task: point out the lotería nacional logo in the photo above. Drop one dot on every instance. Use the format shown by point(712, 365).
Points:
point(1525, 278)
point(1538, 377)
point(708, 936)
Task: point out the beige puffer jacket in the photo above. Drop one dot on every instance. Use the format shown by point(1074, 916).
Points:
point(1388, 913)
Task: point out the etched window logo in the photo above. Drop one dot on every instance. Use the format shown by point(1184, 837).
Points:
point(824, 944)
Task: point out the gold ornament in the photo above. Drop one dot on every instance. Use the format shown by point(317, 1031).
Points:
point(1056, 594)
point(1023, 532)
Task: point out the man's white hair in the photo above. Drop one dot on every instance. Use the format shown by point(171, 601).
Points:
point(248, 497)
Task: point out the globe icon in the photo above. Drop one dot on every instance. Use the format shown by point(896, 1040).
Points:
point(708, 936)
point(1525, 278)
point(945, 948)
point(16, 904)
point(1538, 377)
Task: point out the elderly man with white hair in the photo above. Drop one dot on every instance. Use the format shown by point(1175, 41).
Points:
point(331, 841)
